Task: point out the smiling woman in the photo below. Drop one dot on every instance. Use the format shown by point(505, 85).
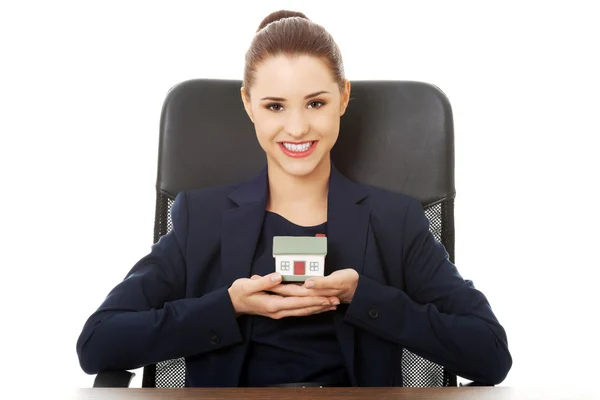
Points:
point(387, 285)
point(295, 92)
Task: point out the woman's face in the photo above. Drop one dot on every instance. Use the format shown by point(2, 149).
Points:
point(296, 106)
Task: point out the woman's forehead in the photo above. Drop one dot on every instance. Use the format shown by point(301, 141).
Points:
point(283, 76)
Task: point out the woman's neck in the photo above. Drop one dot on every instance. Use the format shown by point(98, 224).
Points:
point(302, 198)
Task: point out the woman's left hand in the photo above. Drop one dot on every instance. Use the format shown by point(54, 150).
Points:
point(341, 284)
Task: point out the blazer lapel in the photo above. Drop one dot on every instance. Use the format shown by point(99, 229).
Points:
point(241, 228)
point(348, 224)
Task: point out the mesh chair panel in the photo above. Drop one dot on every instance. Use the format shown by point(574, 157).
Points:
point(170, 374)
point(162, 218)
point(416, 370)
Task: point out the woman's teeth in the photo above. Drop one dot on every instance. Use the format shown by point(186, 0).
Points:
point(299, 148)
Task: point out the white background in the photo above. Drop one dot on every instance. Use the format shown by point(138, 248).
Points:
point(82, 85)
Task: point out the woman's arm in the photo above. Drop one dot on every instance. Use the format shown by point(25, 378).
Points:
point(145, 318)
point(441, 316)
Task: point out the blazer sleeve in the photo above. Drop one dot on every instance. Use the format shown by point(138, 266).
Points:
point(145, 319)
point(439, 316)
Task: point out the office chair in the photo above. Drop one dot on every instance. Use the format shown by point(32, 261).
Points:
point(396, 135)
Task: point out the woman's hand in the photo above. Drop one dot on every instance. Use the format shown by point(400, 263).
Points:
point(340, 284)
point(249, 296)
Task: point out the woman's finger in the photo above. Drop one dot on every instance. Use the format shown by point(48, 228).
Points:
point(302, 312)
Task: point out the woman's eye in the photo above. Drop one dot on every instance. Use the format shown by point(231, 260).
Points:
point(275, 107)
point(278, 107)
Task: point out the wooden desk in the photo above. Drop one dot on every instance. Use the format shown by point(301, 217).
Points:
point(462, 393)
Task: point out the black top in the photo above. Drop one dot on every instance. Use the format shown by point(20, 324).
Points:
point(292, 349)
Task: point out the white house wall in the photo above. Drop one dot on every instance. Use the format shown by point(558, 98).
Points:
point(307, 259)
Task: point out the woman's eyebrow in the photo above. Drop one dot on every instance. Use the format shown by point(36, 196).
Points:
point(308, 96)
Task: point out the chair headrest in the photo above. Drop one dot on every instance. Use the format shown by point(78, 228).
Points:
point(397, 135)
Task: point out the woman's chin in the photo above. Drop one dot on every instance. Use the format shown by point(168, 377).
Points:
point(300, 167)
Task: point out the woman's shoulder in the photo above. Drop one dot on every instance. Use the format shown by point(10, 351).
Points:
point(208, 199)
point(390, 210)
point(212, 193)
point(387, 201)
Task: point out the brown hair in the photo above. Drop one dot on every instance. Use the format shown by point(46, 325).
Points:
point(292, 33)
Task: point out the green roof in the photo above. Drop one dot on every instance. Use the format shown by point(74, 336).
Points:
point(300, 245)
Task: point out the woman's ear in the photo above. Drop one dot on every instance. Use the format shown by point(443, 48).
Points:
point(345, 97)
point(246, 100)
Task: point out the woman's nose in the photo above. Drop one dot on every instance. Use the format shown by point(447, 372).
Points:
point(296, 125)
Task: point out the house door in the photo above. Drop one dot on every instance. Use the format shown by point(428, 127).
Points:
point(299, 268)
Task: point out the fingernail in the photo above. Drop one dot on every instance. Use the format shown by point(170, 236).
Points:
point(335, 302)
point(276, 278)
point(326, 303)
point(333, 309)
point(309, 284)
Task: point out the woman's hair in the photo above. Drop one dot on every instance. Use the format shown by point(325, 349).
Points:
point(291, 33)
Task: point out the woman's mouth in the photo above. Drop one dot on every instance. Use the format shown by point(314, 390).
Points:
point(298, 150)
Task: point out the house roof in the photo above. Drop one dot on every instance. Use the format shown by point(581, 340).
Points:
point(299, 245)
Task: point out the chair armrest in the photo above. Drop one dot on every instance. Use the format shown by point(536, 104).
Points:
point(475, 384)
point(115, 379)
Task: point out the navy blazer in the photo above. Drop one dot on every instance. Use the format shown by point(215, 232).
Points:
point(174, 302)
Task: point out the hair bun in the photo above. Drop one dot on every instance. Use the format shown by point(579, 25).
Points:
point(281, 14)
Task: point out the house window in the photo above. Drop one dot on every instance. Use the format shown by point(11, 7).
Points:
point(285, 265)
point(314, 266)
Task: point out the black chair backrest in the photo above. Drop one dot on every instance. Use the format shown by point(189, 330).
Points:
point(396, 135)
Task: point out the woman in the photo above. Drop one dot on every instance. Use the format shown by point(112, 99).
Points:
point(207, 290)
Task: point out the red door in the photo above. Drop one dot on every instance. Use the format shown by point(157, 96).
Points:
point(299, 268)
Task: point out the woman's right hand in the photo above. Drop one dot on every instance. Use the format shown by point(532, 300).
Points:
point(249, 296)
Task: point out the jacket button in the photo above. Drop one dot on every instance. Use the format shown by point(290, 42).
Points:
point(373, 313)
point(215, 340)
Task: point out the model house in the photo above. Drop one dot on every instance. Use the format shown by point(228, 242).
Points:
point(299, 257)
